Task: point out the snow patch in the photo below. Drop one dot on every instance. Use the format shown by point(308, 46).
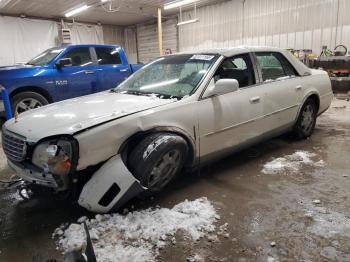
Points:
point(139, 235)
point(291, 163)
point(154, 145)
point(326, 222)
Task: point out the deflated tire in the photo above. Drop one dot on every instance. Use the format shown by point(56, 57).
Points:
point(157, 159)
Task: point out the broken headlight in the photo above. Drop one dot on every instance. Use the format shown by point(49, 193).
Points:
point(54, 156)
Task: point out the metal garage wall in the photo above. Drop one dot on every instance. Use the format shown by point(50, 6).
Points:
point(131, 44)
point(147, 39)
point(295, 24)
point(123, 36)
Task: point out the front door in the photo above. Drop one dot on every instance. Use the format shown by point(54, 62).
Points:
point(233, 118)
point(80, 78)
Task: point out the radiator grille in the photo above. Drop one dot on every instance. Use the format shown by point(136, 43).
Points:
point(14, 146)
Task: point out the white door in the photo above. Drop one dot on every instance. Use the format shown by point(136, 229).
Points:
point(230, 119)
point(281, 87)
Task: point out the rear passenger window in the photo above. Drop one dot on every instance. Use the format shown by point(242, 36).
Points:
point(108, 56)
point(274, 66)
point(238, 67)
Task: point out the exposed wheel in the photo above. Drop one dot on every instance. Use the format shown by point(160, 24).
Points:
point(157, 159)
point(25, 101)
point(306, 122)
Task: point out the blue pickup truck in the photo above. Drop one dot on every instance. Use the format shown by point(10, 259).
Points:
point(64, 72)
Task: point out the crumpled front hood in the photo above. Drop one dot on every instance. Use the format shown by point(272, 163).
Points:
point(73, 115)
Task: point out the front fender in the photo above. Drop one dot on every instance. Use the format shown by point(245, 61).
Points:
point(110, 187)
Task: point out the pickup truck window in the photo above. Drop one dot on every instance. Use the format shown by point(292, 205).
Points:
point(80, 56)
point(108, 56)
point(45, 57)
point(274, 66)
point(170, 76)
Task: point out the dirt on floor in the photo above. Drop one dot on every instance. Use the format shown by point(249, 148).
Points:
point(279, 205)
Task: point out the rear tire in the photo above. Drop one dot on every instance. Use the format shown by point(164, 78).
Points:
point(27, 100)
point(306, 122)
point(157, 159)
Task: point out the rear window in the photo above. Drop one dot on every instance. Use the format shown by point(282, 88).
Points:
point(274, 66)
point(108, 56)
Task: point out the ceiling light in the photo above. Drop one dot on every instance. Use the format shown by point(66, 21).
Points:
point(77, 10)
point(188, 22)
point(176, 4)
point(104, 1)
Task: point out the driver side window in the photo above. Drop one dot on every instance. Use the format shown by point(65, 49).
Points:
point(237, 67)
point(79, 56)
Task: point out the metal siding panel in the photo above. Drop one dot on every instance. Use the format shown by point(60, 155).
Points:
point(284, 23)
point(147, 39)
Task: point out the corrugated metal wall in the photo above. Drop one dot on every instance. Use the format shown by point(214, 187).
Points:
point(123, 36)
point(295, 24)
point(147, 39)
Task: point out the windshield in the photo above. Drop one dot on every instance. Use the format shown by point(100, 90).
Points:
point(171, 76)
point(45, 57)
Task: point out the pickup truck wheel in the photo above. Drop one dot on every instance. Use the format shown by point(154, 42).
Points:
point(25, 101)
point(157, 160)
point(307, 120)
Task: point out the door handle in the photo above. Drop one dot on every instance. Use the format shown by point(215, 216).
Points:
point(123, 70)
point(298, 88)
point(87, 72)
point(255, 99)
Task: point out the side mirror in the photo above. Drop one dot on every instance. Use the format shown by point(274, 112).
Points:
point(222, 86)
point(64, 62)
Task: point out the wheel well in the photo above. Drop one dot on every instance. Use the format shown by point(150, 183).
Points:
point(36, 89)
point(316, 100)
point(127, 147)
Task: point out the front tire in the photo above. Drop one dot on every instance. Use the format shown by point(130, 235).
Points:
point(157, 159)
point(28, 100)
point(306, 122)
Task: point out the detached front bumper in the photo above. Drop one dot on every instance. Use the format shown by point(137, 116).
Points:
point(110, 187)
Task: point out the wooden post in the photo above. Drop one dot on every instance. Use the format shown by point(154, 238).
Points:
point(160, 31)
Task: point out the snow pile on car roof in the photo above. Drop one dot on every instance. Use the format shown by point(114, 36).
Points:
point(138, 235)
point(292, 163)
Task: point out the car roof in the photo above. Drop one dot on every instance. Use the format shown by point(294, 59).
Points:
point(93, 45)
point(301, 68)
point(231, 51)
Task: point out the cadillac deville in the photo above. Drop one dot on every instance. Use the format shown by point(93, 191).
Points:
point(178, 111)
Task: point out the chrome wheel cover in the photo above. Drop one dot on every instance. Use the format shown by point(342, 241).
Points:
point(164, 170)
point(27, 104)
point(308, 118)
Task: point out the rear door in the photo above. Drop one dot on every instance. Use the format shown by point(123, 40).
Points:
point(282, 86)
point(113, 67)
point(233, 118)
point(78, 79)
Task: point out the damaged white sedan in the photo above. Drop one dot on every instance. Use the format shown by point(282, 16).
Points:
point(178, 111)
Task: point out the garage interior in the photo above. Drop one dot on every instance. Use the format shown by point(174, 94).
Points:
point(299, 214)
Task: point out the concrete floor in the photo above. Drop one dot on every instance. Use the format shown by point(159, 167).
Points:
point(259, 208)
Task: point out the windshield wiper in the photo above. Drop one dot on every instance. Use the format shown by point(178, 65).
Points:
point(113, 90)
point(138, 93)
